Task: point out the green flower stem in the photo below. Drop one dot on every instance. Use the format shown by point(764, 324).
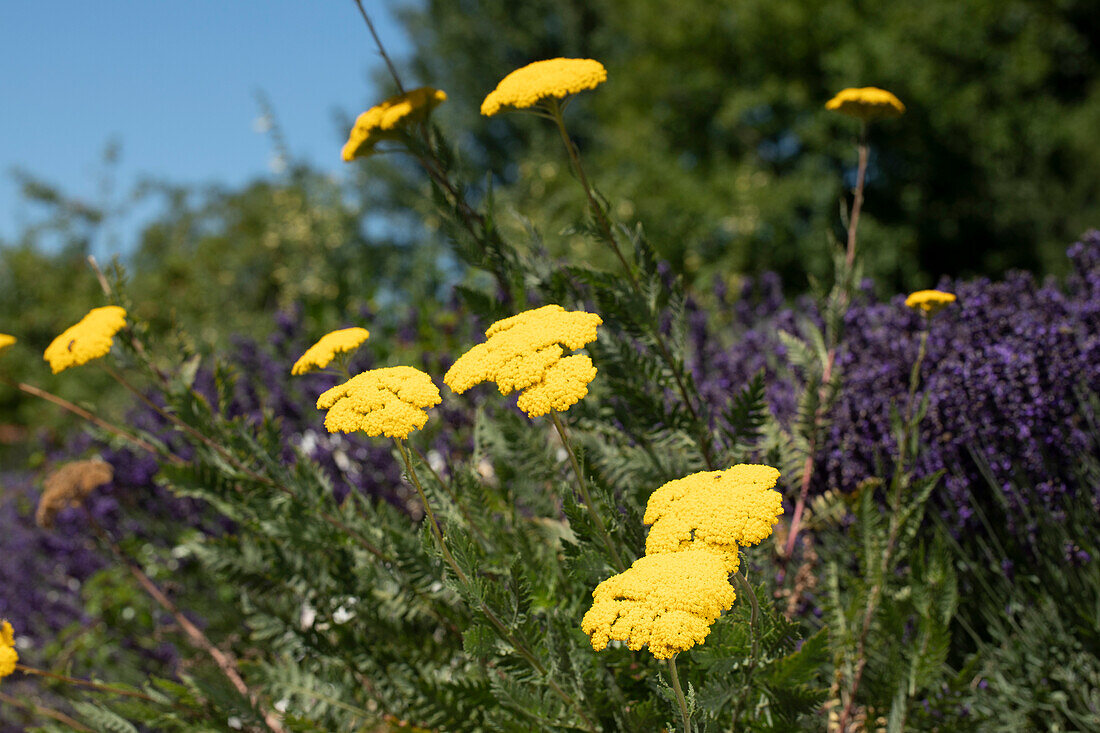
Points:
point(554, 108)
point(845, 280)
point(614, 551)
point(745, 587)
point(679, 693)
point(446, 486)
point(501, 629)
point(593, 204)
point(857, 199)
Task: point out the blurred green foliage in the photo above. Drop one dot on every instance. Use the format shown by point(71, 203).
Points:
point(711, 128)
point(212, 264)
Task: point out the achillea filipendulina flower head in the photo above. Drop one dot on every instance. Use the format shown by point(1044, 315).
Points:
point(929, 302)
point(8, 655)
point(324, 351)
point(525, 352)
point(388, 401)
point(386, 121)
point(6, 341)
point(89, 339)
point(667, 602)
point(527, 86)
point(866, 103)
point(717, 511)
point(69, 486)
point(564, 384)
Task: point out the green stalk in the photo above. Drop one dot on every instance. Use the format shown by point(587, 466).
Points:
point(586, 496)
point(679, 694)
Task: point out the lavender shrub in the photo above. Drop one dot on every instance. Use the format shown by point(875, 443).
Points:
point(1005, 371)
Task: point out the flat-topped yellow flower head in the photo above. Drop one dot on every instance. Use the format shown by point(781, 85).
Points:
point(8, 655)
point(321, 354)
point(89, 339)
point(666, 602)
point(717, 511)
point(866, 103)
point(390, 401)
point(525, 353)
point(386, 121)
point(6, 341)
point(929, 302)
point(553, 78)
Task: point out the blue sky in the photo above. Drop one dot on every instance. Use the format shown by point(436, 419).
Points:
point(174, 84)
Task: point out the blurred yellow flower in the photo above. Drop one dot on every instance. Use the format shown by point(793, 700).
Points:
point(388, 401)
point(527, 86)
point(717, 511)
point(667, 602)
point(89, 339)
point(6, 341)
point(324, 351)
point(525, 353)
point(386, 121)
point(930, 302)
point(8, 655)
point(866, 103)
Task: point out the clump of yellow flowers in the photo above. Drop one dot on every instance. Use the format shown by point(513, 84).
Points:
point(390, 401)
point(525, 353)
point(670, 597)
point(866, 103)
point(6, 341)
point(8, 655)
point(88, 339)
point(667, 602)
point(388, 119)
point(321, 354)
point(553, 78)
point(720, 511)
point(929, 302)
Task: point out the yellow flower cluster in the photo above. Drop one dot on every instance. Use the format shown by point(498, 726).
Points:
point(324, 351)
point(667, 602)
point(385, 121)
point(8, 655)
point(866, 103)
point(720, 511)
point(525, 353)
point(529, 85)
point(6, 341)
point(388, 401)
point(89, 339)
point(930, 302)
point(670, 597)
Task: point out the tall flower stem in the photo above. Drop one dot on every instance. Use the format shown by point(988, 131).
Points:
point(857, 197)
point(497, 624)
point(555, 113)
point(745, 587)
point(583, 486)
point(844, 282)
point(597, 210)
point(679, 693)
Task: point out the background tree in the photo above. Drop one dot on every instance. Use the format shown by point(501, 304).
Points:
point(711, 127)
